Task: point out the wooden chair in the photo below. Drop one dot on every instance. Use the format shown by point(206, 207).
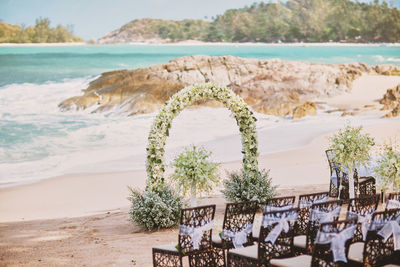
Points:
point(194, 238)
point(363, 186)
point(393, 201)
point(276, 240)
point(376, 251)
point(237, 228)
point(274, 204)
point(319, 213)
point(304, 204)
point(362, 209)
point(323, 254)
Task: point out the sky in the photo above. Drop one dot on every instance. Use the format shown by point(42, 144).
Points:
point(93, 19)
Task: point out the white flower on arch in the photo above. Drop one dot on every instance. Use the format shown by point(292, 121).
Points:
point(187, 96)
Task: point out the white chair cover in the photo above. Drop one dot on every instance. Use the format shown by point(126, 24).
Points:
point(196, 233)
point(238, 238)
point(364, 221)
point(282, 220)
point(268, 208)
point(393, 204)
point(391, 228)
point(305, 203)
point(322, 216)
point(337, 241)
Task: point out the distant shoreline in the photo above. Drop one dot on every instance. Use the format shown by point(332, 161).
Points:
point(200, 43)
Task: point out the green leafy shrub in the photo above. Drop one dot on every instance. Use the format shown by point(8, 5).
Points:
point(351, 149)
point(194, 172)
point(388, 169)
point(157, 208)
point(243, 186)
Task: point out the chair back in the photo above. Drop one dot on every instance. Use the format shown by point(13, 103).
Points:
point(238, 224)
point(362, 210)
point(379, 245)
point(195, 229)
point(276, 234)
point(393, 201)
point(279, 203)
point(332, 242)
point(321, 213)
point(304, 205)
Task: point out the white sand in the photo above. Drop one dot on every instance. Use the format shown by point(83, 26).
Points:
point(367, 90)
point(293, 150)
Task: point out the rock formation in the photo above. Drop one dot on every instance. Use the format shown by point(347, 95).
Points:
point(308, 108)
point(391, 101)
point(270, 86)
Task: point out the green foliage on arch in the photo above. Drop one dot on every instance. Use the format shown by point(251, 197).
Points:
point(159, 132)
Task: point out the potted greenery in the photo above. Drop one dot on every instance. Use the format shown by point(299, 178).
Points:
point(388, 169)
point(194, 172)
point(351, 150)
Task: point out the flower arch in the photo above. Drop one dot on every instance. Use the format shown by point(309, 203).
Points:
point(160, 129)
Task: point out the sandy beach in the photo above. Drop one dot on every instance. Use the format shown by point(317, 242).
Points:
point(82, 219)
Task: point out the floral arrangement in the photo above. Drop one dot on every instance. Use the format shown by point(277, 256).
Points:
point(194, 172)
point(159, 208)
point(160, 129)
point(240, 187)
point(351, 149)
point(388, 169)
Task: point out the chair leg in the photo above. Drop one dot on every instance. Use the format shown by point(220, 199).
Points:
point(164, 259)
point(214, 257)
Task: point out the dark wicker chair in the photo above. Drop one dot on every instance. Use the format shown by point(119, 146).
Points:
point(322, 254)
point(393, 201)
point(274, 204)
point(334, 181)
point(362, 209)
point(279, 246)
point(191, 221)
point(375, 251)
point(319, 213)
point(238, 220)
point(363, 186)
point(304, 205)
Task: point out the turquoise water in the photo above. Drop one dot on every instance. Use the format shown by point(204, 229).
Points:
point(37, 140)
point(42, 64)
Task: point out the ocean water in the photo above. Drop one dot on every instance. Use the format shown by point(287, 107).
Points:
point(38, 141)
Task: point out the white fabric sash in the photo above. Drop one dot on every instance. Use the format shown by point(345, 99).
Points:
point(337, 241)
point(391, 228)
point(196, 233)
point(364, 221)
point(306, 203)
point(282, 224)
point(393, 204)
point(238, 238)
point(322, 216)
point(269, 208)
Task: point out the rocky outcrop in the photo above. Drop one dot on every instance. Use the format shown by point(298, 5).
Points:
point(394, 113)
point(307, 109)
point(387, 69)
point(391, 98)
point(270, 86)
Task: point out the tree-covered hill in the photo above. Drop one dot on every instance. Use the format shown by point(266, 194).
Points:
point(40, 33)
point(290, 21)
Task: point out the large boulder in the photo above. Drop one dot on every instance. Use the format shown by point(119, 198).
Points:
point(391, 98)
point(307, 109)
point(270, 86)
